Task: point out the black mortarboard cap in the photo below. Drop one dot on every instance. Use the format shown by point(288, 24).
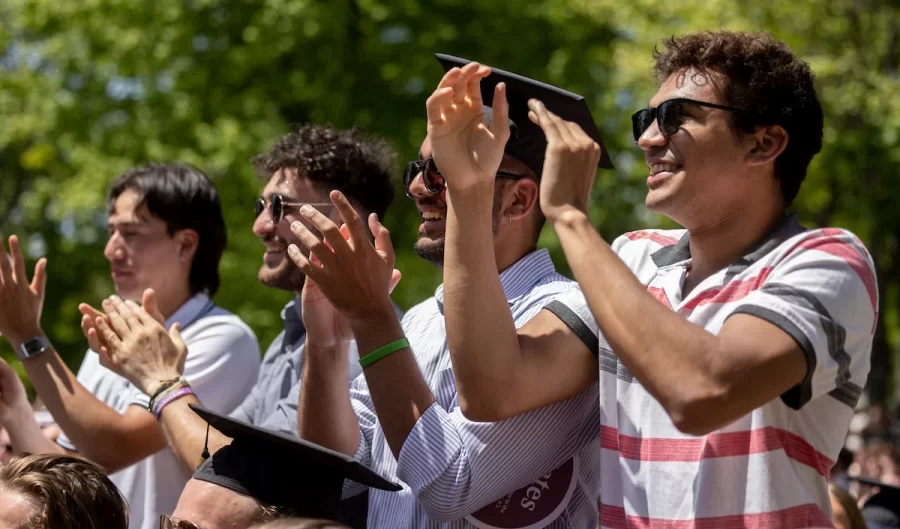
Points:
point(527, 141)
point(882, 509)
point(280, 470)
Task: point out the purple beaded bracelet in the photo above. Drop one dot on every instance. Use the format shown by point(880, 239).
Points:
point(169, 398)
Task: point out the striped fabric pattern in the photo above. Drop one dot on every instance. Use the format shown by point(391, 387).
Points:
point(767, 469)
point(450, 467)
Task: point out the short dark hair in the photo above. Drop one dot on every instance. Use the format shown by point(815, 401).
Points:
point(347, 160)
point(68, 492)
point(765, 79)
point(184, 198)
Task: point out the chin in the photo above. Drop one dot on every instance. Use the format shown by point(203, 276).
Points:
point(285, 277)
point(432, 250)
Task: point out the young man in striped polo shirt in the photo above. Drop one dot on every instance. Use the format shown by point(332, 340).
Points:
point(733, 351)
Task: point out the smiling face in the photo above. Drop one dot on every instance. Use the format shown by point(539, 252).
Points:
point(278, 270)
point(702, 168)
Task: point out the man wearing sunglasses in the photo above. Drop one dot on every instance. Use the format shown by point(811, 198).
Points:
point(402, 418)
point(300, 170)
point(732, 351)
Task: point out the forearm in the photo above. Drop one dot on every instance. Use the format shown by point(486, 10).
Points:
point(481, 333)
point(186, 433)
point(675, 360)
point(91, 425)
point(325, 415)
point(399, 393)
point(25, 435)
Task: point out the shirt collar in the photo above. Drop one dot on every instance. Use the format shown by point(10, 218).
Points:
point(786, 228)
point(518, 279)
point(192, 309)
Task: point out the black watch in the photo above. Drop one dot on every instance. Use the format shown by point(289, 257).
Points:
point(32, 347)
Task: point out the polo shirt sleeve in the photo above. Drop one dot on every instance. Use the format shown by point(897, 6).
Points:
point(222, 363)
point(572, 309)
point(823, 293)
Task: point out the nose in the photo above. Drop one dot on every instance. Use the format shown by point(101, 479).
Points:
point(113, 251)
point(652, 137)
point(417, 187)
point(263, 225)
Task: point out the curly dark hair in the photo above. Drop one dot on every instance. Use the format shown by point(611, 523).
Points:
point(347, 160)
point(68, 492)
point(765, 79)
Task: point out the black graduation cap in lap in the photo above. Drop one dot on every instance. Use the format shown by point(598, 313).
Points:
point(527, 141)
point(882, 509)
point(280, 470)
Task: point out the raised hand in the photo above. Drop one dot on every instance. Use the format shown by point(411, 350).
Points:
point(355, 276)
point(90, 315)
point(21, 300)
point(466, 149)
point(570, 163)
point(136, 345)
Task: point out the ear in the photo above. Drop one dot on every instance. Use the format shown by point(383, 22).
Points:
point(766, 144)
point(521, 198)
point(187, 241)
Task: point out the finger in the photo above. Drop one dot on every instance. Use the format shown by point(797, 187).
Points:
point(116, 322)
point(109, 336)
point(395, 279)
point(383, 244)
point(315, 245)
point(473, 87)
point(39, 281)
point(542, 119)
point(436, 103)
point(126, 311)
point(93, 338)
point(460, 89)
point(144, 318)
point(352, 221)
point(500, 122)
point(5, 267)
point(175, 335)
point(89, 311)
point(151, 305)
point(18, 259)
point(312, 271)
point(328, 229)
point(450, 78)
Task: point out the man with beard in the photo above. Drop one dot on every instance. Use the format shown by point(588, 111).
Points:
point(301, 168)
point(402, 418)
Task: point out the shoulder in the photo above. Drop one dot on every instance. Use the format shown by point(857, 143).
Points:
point(424, 309)
point(226, 328)
point(636, 248)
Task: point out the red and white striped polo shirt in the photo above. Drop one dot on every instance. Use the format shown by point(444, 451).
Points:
point(767, 469)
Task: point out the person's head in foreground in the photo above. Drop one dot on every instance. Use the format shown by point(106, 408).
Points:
point(731, 130)
point(262, 476)
point(58, 492)
point(516, 218)
point(166, 232)
point(302, 168)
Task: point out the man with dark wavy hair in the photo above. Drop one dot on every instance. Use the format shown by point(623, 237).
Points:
point(732, 352)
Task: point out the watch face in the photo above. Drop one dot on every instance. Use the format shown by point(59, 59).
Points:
point(34, 347)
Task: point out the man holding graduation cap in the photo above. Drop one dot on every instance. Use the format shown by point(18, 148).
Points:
point(403, 418)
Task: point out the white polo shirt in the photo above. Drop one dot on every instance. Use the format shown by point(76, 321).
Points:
point(768, 468)
point(222, 365)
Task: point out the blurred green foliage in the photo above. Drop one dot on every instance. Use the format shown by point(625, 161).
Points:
point(90, 88)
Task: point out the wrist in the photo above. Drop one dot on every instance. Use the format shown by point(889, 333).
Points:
point(326, 356)
point(21, 336)
point(567, 217)
point(149, 384)
point(372, 334)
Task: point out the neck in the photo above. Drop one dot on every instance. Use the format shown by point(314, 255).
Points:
point(169, 301)
point(506, 259)
point(717, 244)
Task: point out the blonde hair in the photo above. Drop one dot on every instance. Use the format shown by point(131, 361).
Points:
point(848, 503)
point(68, 492)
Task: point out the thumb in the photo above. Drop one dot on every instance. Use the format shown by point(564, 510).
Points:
point(151, 305)
point(175, 335)
point(382, 240)
point(39, 281)
point(395, 279)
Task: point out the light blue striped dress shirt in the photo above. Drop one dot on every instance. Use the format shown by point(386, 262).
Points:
point(451, 467)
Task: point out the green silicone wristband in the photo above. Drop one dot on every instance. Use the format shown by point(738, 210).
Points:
point(383, 351)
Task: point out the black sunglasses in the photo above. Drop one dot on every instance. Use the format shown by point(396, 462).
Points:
point(278, 204)
point(433, 179)
point(669, 116)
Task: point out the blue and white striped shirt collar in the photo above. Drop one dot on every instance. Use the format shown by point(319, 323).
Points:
point(518, 279)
